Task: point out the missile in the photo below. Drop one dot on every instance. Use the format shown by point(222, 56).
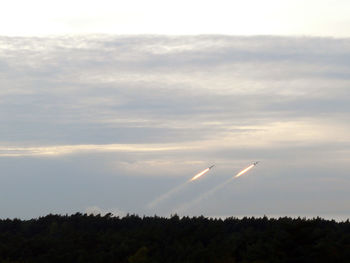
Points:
point(201, 173)
point(255, 163)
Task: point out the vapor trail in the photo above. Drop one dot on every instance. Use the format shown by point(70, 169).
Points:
point(184, 207)
point(173, 191)
point(165, 196)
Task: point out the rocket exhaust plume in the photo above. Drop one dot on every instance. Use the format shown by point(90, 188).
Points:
point(177, 189)
point(202, 173)
point(199, 174)
point(244, 170)
point(212, 191)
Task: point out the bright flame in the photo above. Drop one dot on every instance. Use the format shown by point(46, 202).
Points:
point(176, 189)
point(199, 174)
point(245, 170)
point(184, 207)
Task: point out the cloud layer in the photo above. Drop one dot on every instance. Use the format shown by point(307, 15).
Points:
point(254, 17)
point(172, 105)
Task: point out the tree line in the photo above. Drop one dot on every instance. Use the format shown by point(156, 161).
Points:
point(134, 239)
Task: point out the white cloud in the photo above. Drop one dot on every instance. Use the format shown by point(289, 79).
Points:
point(253, 17)
point(147, 111)
point(71, 149)
point(96, 91)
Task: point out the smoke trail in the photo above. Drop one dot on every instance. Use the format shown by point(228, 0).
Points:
point(173, 191)
point(165, 196)
point(184, 207)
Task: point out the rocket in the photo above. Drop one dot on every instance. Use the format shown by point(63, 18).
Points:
point(201, 173)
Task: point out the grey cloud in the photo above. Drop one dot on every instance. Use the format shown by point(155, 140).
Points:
point(228, 100)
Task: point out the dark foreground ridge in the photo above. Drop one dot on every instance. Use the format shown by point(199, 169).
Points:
point(87, 238)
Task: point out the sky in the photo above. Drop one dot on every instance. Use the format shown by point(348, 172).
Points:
point(242, 17)
point(107, 106)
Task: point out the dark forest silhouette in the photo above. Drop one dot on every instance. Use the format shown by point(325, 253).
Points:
point(131, 239)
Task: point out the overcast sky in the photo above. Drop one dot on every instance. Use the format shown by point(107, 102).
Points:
point(242, 17)
point(96, 121)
